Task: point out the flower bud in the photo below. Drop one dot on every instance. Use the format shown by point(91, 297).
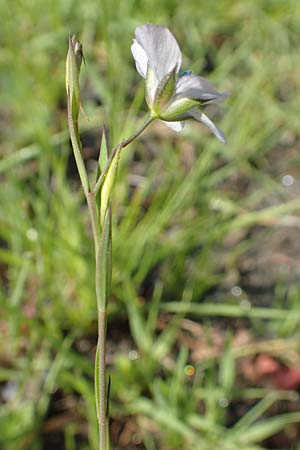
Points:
point(73, 64)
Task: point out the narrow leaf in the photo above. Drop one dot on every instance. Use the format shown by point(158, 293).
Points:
point(103, 155)
point(107, 187)
point(102, 160)
point(227, 369)
point(266, 428)
point(104, 263)
point(76, 145)
point(255, 412)
point(97, 382)
point(107, 396)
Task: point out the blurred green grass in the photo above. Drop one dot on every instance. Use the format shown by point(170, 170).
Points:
point(187, 212)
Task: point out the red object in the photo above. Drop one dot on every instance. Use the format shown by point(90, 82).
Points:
point(287, 378)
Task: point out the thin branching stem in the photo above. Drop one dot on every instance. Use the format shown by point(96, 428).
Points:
point(94, 216)
point(90, 197)
point(96, 228)
point(116, 150)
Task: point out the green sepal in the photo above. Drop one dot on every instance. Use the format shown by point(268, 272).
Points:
point(164, 92)
point(178, 108)
point(104, 258)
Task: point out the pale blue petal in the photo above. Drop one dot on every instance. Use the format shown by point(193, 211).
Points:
point(161, 49)
point(201, 117)
point(197, 88)
point(140, 57)
point(175, 126)
point(151, 86)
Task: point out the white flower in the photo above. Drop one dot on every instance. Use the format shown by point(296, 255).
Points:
point(170, 98)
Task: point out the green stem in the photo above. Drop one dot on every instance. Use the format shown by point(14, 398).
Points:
point(100, 370)
point(77, 149)
point(103, 284)
point(102, 419)
point(90, 198)
point(117, 149)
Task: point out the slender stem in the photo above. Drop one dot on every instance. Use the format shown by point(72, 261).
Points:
point(117, 149)
point(103, 283)
point(102, 320)
point(94, 217)
point(102, 419)
point(138, 132)
point(90, 198)
point(77, 148)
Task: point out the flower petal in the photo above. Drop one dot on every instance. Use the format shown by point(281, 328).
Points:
point(197, 88)
point(141, 58)
point(151, 86)
point(201, 117)
point(175, 126)
point(161, 49)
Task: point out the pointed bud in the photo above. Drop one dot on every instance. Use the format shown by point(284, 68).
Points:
point(73, 64)
point(103, 155)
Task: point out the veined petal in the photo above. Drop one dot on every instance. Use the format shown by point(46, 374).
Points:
point(175, 126)
point(197, 88)
point(201, 117)
point(140, 57)
point(161, 49)
point(151, 87)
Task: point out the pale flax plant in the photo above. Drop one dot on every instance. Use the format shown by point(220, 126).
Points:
point(171, 99)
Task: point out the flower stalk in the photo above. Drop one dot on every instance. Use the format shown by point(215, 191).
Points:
point(98, 200)
point(115, 152)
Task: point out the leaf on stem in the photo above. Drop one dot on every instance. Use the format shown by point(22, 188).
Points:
point(102, 160)
point(107, 187)
point(107, 396)
point(97, 382)
point(104, 263)
point(103, 155)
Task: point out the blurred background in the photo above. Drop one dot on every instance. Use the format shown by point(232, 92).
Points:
point(203, 333)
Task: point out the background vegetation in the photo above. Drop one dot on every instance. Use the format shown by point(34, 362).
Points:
point(204, 321)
